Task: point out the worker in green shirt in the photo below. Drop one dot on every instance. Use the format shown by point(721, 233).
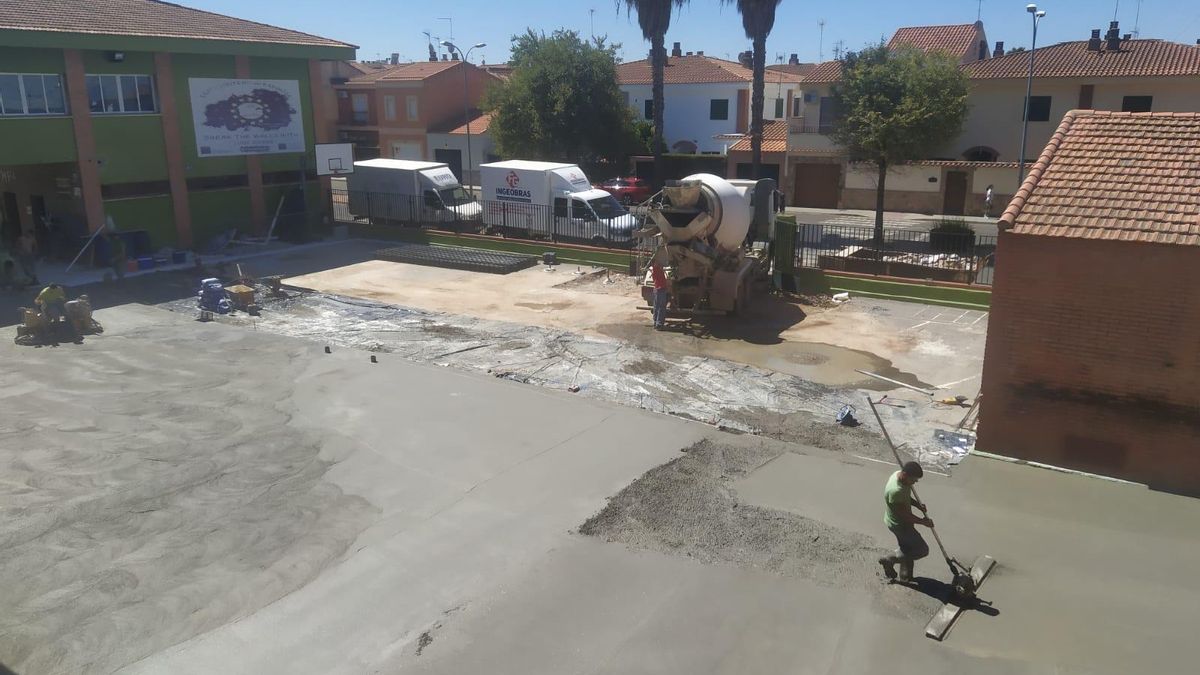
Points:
point(899, 518)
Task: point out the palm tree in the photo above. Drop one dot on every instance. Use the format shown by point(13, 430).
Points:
point(654, 18)
point(758, 18)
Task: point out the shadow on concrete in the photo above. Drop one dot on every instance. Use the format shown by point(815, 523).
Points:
point(5, 670)
point(944, 592)
point(763, 324)
point(161, 287)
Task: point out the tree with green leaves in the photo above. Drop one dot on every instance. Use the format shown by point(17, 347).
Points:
point(758, 18)
point(562, 101)
point(895, 106)
point(654, 18)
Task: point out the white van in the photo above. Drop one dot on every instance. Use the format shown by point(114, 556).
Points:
point(408, 191)
point(551, 199)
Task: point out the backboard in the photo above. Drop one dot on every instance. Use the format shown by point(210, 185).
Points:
point(335, 159)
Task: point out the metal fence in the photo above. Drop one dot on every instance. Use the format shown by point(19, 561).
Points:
point(562, 222)
point(957, 256)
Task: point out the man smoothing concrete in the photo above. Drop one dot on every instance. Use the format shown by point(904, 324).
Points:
point(899, 518)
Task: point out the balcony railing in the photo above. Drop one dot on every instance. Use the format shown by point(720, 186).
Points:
point(799, 125)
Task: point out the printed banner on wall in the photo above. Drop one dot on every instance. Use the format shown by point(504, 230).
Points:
point(246, 117)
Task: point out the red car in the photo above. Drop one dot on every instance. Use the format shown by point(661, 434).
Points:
point(627, 190)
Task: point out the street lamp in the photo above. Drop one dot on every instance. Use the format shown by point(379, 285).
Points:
point(466, 101)
point(1036, 15)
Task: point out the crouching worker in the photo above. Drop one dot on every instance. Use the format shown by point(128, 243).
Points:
point(52, 302)
point(899, 518)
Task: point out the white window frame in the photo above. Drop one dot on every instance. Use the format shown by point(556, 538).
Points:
point(119, 77)
point(25, 102)
point(412, 108)
point(389, 108)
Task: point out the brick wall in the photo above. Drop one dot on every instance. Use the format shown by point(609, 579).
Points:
point(1093, 358)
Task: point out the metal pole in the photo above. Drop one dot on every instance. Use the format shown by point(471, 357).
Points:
point(467, 114)
point(1028, 95)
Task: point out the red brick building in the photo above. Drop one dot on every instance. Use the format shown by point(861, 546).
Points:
point(1093, 348)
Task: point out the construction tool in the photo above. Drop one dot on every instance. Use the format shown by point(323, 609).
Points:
point(965, 582)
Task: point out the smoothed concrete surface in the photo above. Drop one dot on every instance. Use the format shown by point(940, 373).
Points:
point(1091, 574)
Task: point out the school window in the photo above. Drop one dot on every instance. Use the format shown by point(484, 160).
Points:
point(1137, 103)
point(1039, 108)
point(718, 109)
point(410, 108)
point(389, 108)
point(649, 109)
point(778, 108)
point(121, 94)
point(31, 94)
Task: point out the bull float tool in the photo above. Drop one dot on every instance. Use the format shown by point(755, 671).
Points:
point(965, 582)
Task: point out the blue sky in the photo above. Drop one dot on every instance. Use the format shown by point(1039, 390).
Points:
point(381, 27)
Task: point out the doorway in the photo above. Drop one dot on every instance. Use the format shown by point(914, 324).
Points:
point(817, 185)
point(955, 201)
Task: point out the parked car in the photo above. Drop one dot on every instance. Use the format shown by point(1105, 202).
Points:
point(627, 190)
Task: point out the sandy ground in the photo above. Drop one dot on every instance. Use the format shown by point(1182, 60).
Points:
point(826, 346)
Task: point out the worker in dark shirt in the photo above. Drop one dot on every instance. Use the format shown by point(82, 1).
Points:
point(662, 294)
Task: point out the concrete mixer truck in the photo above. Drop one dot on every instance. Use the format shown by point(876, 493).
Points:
point(700, 230)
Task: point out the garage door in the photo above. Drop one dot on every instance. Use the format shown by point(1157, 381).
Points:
point(817, 185)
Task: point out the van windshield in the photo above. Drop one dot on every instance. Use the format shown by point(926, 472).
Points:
point(455, 196)
point(607, 207)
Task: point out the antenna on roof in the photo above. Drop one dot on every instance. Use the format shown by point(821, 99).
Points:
point(1137, 20)
point(979, 12)
point(821, 47)
point(1116, 9)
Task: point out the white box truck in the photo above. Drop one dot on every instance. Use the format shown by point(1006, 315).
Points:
point(550, 199)
point(408, 191)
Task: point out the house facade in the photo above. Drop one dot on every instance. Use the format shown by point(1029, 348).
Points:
point(389, 110)
point(1109, 73)
point(167, 120)
point(453, 147)
point(1091, 357)
point(706, 100)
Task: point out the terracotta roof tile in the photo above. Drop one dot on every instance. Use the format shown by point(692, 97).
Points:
point(1136, 58)
point(479, 125)
point(827, 72)
point(1116, 176)
point(145, 18)
point(800, 69)
point(692, 70)
point(958, 40)
point(775, 138)
point(417, 70)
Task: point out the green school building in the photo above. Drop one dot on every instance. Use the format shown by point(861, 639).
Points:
point(170, 121)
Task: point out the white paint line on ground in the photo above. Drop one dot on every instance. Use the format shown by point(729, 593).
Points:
point(951, 384)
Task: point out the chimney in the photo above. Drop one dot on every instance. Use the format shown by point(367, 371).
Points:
point(689, 53)
point(675, 50)
point(1113, 37)
point(999, 49)
point(445, 58)
point(1094, 43)
point(794, 60)
point(395, 58)
point(700, 53)
point(453, 56)
point(746, 59)
point(1127, 37)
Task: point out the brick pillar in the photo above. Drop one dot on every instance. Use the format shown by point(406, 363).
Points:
point(258, 204)
point(85, 140)
point(176, 174)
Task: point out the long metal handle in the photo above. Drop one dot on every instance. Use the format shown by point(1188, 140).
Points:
point(900, 463)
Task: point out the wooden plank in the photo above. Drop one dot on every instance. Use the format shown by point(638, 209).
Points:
point(939, 626)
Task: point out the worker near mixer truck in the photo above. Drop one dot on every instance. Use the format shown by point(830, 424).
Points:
point(900, 519)
point(661, 295)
